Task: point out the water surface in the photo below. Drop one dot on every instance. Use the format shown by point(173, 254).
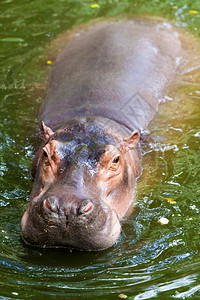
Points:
point(149, 261)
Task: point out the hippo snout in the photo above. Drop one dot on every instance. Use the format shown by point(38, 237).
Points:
point(83, 224)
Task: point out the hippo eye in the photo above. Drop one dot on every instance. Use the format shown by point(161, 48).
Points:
point(115, 163)
point(116, 160)
point(45, 154)
point(46, 158)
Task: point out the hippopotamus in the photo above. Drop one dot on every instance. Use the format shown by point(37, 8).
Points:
point(103, 91)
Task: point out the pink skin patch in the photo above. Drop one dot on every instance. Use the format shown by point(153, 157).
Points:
point(88, 208)
point(46, 204)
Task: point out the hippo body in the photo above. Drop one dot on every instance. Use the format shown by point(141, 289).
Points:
point(103, 68)
point(103, 91)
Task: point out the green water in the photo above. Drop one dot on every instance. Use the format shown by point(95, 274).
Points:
point(149, 261)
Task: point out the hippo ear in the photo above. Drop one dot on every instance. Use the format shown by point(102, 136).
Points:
point(130, 141)
point(46, 132)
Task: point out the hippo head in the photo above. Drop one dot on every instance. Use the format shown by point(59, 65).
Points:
point(84, 179)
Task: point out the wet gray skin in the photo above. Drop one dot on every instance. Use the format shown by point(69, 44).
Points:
point(105, 85)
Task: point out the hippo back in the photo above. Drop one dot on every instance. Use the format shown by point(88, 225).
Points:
point(116, 70)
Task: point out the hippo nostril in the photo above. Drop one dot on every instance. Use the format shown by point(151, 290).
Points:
point(46, 204)
point(51, 204)
point(86, 207)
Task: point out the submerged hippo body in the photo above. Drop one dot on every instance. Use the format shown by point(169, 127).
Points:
point(104, 89)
